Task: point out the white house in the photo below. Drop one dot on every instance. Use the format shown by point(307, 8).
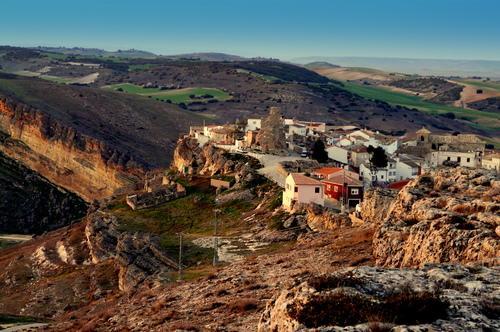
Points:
point(491, 161)
point(387, 174)
point(302, 189)
point(338, 153)
point(253, 124)
point(466, 159)
point(408, 167)
point(345, 141)
point(297, 129)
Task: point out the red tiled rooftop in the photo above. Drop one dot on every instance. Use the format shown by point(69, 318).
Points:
point(325, 171)
point(398, 185)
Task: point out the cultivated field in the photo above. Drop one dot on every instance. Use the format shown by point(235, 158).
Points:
point(482, 120)
point(355, 73)
point(176, 96)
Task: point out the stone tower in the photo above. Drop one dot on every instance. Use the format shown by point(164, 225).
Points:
point(271, 136)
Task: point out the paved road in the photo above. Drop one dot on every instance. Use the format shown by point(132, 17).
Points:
point(270, 163)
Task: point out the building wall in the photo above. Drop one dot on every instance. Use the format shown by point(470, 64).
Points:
point(359, 158)
point(253, 124)
point(382, 175)
point(297, 130)
point(405, 171)
point(338, 154)
point(305, 193)
point(493, 163)
point(466, 159)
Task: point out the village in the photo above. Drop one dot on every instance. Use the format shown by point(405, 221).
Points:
point(332, 166)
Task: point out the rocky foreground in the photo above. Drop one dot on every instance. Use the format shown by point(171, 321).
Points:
point(448, 215)
point(435, 298)
point(318, 272)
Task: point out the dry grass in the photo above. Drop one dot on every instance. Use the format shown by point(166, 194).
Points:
point(183, 326)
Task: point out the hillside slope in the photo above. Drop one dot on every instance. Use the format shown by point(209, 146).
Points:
point(90, 141)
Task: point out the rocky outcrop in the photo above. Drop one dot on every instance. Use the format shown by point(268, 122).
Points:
point(191, 158)
point(80, 163)
point(138, 256)
point(436, 298)
point(320, 219)
point(448, 215)
point(376, 205)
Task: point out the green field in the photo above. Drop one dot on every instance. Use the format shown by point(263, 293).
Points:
point(483, 120)
point(175, 96)
point(482, 84)
point(192, 215)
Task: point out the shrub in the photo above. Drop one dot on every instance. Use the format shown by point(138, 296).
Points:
point(347, 308)
point(243, 305)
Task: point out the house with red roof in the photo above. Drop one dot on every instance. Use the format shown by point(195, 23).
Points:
point(344, 186)
point(325, 172)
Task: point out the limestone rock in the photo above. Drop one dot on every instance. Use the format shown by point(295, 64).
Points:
point(435, 298)
point(321, 219)
point(448, 215)
point(139, 257)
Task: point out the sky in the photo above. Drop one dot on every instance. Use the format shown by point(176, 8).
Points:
point(285, 29)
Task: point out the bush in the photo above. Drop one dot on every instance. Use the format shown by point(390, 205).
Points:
point(341, 308)
point(243, 305)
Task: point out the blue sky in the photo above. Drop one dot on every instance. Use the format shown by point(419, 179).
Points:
point(449, 29)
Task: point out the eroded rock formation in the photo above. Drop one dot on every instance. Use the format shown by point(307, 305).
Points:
point(77, 162)
point(448, 215)
point(436, 298)
point(190, 158)
point(139, 256)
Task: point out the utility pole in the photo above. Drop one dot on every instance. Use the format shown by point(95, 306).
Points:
point(216, 240)
point(180, 256)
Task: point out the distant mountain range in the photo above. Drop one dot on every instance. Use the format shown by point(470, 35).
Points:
point(133, 54)
point(437, 67)
point(96, 52)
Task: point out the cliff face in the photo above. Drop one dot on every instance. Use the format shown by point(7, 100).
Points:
point(71, 160)
point(449, 215)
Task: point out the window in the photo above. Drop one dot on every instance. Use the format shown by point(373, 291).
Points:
point(354, 191)
point(296, 189)
point(316, 190)
point(448, 158)
point(336, 189)
point(468, 160)
point(382, 177)
point(459, 159)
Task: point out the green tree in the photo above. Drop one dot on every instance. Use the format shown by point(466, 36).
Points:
point(378, 159)
point(318, 151)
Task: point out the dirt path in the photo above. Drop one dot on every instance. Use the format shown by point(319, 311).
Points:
point(15, 237)
point(271, 163)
